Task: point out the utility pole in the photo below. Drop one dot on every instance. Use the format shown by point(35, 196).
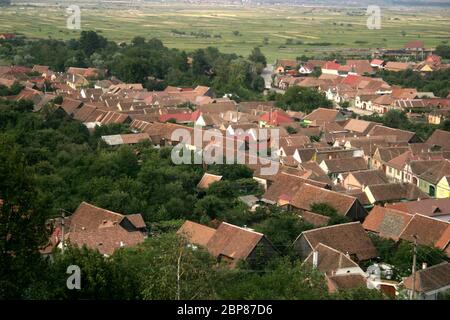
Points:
point(413, 293)
point(179, 272)
point(62, 229)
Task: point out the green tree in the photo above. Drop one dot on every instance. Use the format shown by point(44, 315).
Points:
point(282, 228)
point(303, 99)
point(394, 119)
point(90, 41)
point(176, 271)
point(257, 56)
point(329, 211)
point(359, 293)
point(281, 279)
point(443, 50)
point(22, 223)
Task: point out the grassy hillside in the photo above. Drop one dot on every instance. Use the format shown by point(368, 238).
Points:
point(280, 31)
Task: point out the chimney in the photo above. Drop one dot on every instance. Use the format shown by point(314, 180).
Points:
point(424, 265)
point(315, 258)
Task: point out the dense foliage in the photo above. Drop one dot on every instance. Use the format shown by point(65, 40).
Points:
point(400, 255)
point(50, 161)
point(301, 99)
point(437, 82)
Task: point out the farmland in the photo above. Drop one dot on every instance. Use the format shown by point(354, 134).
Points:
point(280, 31)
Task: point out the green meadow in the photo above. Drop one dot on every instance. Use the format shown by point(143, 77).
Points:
point(280, 31)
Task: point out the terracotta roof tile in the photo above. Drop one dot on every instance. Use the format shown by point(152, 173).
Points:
point(345, 165)
point(196, 233)
point(430, 279)
point(330, 260)
point(308, 194)
point(388, 223)
point(429, 231)
point(207, 180)
point(426, 207)
point(345, 282)
point(348, 238)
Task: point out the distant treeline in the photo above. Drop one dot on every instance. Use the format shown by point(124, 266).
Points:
point(142, 61)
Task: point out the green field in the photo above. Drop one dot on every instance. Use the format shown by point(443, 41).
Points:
point(342, 29)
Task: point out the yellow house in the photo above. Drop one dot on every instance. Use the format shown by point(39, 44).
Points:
point(443, 188)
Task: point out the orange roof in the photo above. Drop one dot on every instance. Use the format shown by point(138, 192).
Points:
point(429, 231)
point(196, 233)
point(207, 180)
point(388, 223)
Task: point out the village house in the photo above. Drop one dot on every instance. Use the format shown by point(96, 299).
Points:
point(397, 66)
point(358, 127)
point(348, 238)
point(407, 167)
point(365, 101)
point(129, 139)
point(332, 262)
point(228, 243)
point(306, 68)
point(429, 282)
point(437, 116)
point(98, 229)
point(429, 180)
point(386, 222)
point(428, 231)
point(88, 73)
point(440, 139)
point(394, 224)
point(377, 63)
point(443, 187)
point(415, 46)
point(390, 192)
point(331, 67)
point(336, 167)
point(274, 118)
point(345, 205)
point(400, 135)
point(383, 155)
point(208, 179)
point(345, 282)
point(340, 271)
point(435, 208)
point(320, 116)
point(359, 180)
point(285, 185)
point(382, 104)
point(360, 67)
point(284, 65)
point(288, 145)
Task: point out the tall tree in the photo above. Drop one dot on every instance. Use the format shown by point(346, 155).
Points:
point(22, 223)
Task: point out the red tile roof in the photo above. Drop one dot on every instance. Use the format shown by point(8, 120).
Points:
point(196, 233)
point(178, 117)
point(348, 238)
point(307, 195)
point(276, 117)
point(388, 223)
point(429, 231)
point(207, 180)
point(430, 279)
point(330, 259)
point(331, 65)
